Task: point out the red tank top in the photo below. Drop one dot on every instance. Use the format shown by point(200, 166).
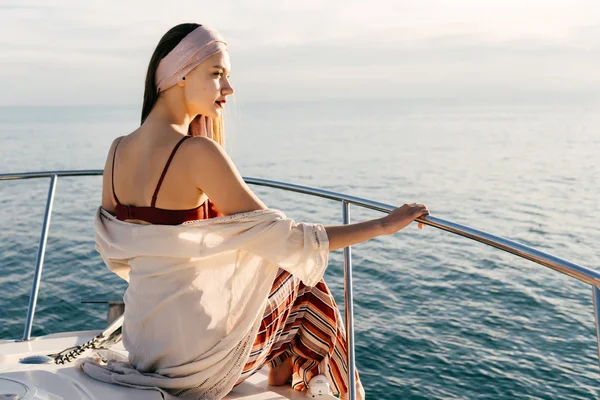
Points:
point(161, 216)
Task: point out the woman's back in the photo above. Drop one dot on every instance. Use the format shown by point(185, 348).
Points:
point(199, 169)
point(139, 162)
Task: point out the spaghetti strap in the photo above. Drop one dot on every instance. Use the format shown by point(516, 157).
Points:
point(162, 177)
point(113, 172)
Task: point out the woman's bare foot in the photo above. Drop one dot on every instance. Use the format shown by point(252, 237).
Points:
point(281, 374)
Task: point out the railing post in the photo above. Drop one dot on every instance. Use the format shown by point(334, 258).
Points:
point(349, 308)
point(40, 260)
point(596, 299)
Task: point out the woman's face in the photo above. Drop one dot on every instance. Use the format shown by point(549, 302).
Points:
point(206, 86)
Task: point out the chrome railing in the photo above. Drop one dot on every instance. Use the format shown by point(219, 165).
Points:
point(573, 270)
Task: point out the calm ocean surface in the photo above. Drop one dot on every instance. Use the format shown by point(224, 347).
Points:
point(437, 316)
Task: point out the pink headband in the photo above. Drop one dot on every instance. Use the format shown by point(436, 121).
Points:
point(193, 49)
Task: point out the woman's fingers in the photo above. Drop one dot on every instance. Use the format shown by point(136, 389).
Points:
point(417, 210)
point(423, 211)
point(420, 209)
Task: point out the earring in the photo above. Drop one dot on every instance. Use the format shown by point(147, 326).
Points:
point(183, 78)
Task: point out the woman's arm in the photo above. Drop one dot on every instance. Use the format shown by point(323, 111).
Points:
point(341, 236)
point(216, 175)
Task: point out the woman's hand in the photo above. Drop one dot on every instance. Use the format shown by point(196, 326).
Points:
point(402, 217)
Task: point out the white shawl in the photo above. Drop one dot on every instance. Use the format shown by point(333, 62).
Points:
point(197, 293)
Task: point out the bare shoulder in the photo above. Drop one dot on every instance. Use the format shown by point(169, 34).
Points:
point(107, 198)
point(204, 146)
point(113, 145)
point(111, 151)
point(215, 174)
point(206, 153)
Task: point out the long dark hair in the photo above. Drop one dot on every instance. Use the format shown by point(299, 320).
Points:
point(165, 45)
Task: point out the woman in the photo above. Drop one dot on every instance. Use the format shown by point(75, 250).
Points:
point(174, 207)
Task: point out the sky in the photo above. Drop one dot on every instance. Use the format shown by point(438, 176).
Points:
point(73, 52)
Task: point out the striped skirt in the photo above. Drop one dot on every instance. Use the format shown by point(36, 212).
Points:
point(304, 323)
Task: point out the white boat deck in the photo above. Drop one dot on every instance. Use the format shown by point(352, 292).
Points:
point(55, 382)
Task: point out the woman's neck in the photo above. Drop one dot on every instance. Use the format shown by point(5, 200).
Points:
point(167, 114)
